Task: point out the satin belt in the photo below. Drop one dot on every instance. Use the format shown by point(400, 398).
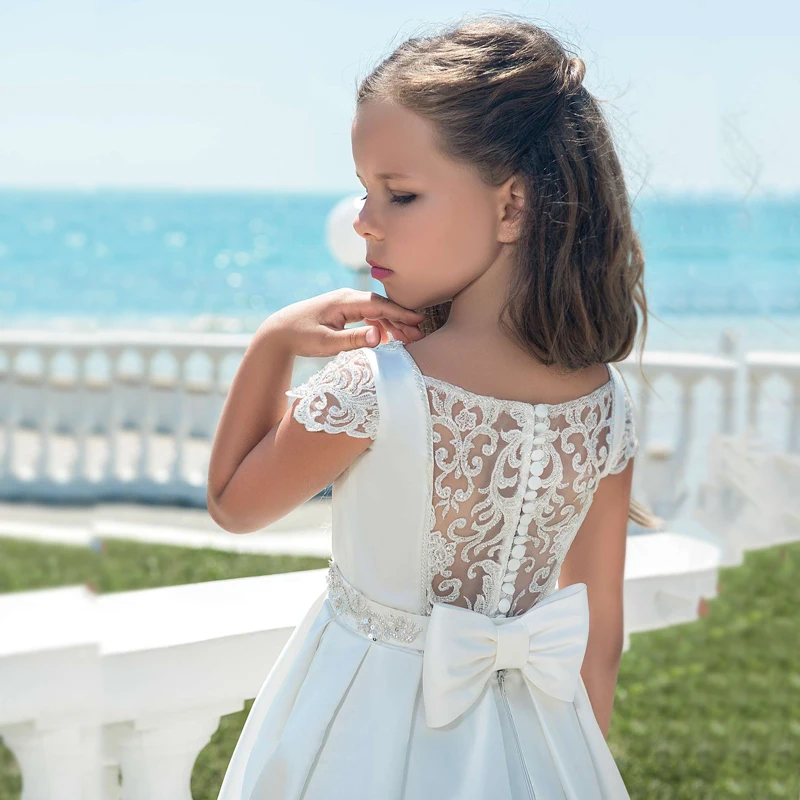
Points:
point(462, 649)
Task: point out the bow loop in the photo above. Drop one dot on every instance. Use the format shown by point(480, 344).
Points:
point(463, 648)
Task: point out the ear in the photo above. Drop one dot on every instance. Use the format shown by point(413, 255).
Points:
point(510, 205)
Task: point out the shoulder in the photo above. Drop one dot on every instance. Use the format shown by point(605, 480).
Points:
point(341, 396)
point(624, 431)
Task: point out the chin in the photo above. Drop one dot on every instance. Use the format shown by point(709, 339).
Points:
point(413, 300)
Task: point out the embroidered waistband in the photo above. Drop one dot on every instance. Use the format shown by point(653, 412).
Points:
point(375, 620)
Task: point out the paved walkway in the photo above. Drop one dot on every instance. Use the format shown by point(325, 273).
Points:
point(305, 531)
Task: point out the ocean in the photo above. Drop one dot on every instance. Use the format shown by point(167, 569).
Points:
point(176, 260)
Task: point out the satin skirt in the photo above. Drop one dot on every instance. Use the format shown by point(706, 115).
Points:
point(341, 716)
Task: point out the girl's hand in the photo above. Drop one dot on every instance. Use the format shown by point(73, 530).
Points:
point(316, 327)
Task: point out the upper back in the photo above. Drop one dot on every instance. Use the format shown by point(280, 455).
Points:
point(509, 482)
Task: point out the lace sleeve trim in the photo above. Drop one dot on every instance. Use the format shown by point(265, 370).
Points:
point(349, 380)
point(630, 441)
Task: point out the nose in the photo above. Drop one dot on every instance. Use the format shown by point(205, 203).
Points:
point(364, 225)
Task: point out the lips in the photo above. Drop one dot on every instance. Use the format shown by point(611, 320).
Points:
point(378, 266)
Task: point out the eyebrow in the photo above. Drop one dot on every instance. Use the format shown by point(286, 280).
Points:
point(387, 175)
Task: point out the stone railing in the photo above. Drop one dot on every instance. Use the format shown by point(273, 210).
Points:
point(134, 683)
point(131, 415)
point(113, 415)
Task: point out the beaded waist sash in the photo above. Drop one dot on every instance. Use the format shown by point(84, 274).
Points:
point(375, 620)
point(464, 649)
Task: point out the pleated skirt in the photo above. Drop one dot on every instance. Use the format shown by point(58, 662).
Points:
point(342, 716)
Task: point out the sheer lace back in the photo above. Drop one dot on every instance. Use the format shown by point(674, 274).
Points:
point(511, 481)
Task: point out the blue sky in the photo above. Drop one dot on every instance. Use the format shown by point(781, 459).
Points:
point(703, 96)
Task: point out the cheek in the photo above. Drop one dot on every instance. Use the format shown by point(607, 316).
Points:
point(442, 246)
point(462, 236)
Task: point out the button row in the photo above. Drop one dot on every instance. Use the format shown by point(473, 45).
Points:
point(528, 506)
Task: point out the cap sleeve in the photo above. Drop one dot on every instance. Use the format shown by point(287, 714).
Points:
point(630, 441)
point(340, 397)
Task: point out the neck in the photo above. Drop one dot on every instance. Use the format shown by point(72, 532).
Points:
point(475, 310)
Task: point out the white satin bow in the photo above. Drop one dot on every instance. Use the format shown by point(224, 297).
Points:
point(463, 648)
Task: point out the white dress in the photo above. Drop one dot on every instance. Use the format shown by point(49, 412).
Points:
point(442, 661)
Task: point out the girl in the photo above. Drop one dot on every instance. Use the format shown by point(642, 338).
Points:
point(482, 487)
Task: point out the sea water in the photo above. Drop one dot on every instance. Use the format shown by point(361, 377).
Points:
point(226, 261)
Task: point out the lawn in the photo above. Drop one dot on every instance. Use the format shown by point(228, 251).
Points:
point(705, 710)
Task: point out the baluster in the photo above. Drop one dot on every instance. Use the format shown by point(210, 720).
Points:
point(146, 423)
point(181, 424)
point(728, 403)
point(12, 414)
point(752, 426)
point(46, 424)
point(51, 759)
point(793, 439)
point(157, 755)
point(79, 470)
point(115, 415)
point(687, 406)
point(215, 393)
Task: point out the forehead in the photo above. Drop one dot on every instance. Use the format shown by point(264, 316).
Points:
point(388, 139)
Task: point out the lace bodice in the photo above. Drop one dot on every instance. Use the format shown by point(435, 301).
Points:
point(511, 481)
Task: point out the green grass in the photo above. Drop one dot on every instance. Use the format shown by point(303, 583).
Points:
point(711, 709)
point(120, 566)
point(706, 710)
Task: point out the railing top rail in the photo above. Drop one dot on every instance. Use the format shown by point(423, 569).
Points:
point(123, 339)
point(769, 360)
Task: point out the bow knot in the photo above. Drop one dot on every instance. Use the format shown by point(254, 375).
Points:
point(463, 648)
point(513, 645)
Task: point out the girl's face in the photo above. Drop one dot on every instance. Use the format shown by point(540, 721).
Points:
point(434, 223)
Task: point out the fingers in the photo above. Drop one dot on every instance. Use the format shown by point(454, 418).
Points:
point(394, 330)
point(384, 336)
point(371, 305)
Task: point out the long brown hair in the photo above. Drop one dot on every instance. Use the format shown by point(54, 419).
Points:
point(503, 95)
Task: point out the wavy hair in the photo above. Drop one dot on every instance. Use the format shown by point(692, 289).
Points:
point(504, 96)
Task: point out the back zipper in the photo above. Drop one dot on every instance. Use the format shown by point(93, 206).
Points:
point(501, 680)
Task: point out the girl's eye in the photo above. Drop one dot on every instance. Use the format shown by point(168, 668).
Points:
point(403, 199)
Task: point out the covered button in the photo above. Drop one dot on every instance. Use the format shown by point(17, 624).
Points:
point(541, 410)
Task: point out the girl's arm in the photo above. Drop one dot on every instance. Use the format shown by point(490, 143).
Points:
point(264, 463)
point(597, 558)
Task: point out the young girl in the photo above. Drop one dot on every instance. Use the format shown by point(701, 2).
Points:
point(481, 491)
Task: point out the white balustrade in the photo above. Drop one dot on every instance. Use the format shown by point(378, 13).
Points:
point(139, 435)
point(762, 365)
point(134, 683)
point(750, 498)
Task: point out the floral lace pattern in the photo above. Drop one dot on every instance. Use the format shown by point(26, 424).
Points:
point(510, 482)
point(353, 409)
point(630, 442)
